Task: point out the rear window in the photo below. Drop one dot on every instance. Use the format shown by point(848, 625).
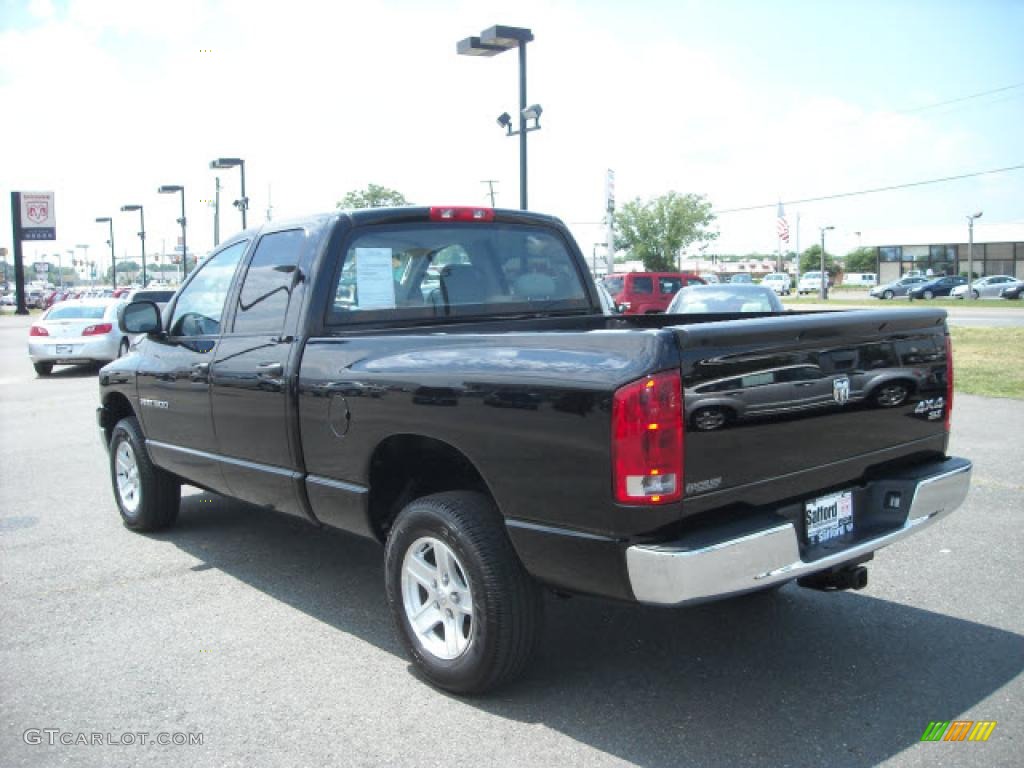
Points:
point(441, 270)
point(157, 297)
point(77, 313)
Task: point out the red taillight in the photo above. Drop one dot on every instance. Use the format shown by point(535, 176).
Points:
point(98, 330)
point(949, 381)
point(647, 440)
point(460, 213)
point(38, 330)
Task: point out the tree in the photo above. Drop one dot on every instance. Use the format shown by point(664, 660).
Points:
point(374, 196)
point(860, 260)
point(657, 230)
point(810, 261)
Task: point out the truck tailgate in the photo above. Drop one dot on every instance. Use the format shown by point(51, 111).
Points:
point(780, 407)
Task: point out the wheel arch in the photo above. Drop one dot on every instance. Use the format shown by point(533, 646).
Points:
point(407, 466)
point(116, 406)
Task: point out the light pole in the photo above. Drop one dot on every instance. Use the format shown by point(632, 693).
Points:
point(491, 42)
point(170, 189)
point(241, 204)
point(110, 242)
point(142, 235)
point(970, 255)
point(824, 275)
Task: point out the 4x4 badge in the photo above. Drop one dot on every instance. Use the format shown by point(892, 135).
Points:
point(841, 390)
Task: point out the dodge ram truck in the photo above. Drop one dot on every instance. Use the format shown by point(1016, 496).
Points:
point(443, 380)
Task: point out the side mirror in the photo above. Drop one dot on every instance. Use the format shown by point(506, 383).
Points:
point(139, 317)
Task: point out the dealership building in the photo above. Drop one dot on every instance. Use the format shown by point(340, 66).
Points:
point(998, 250)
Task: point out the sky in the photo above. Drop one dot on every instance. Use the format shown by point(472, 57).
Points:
point(744, 102)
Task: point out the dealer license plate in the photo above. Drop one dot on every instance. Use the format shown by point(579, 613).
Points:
point(65, 349)
point(829, 517)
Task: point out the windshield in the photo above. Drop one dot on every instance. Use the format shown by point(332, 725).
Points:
point(696, 299)
point(440, 270)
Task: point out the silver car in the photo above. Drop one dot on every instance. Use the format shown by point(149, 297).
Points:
point(899, 287)
point(990, 287)
point(76, 332)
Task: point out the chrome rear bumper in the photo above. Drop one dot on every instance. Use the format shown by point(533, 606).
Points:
point(668, 574)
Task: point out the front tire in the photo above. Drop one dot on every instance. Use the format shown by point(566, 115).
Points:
point(887, 295)
point(467, 612)
point(892, 394)
point(929, 295)
point(147, 497)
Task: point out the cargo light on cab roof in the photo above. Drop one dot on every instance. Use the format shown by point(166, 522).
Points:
point(460, 213)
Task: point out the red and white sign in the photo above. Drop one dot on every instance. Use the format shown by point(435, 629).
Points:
point(38, 220)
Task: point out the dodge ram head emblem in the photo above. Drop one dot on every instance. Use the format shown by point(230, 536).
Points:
point(841, 390)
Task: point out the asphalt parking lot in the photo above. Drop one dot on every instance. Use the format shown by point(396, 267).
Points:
point(272, 640)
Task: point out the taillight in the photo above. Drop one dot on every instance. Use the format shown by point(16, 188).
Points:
point(949, 381)
point(460, 213)
point(38, 330)
point(98, 330)
point(647, 440)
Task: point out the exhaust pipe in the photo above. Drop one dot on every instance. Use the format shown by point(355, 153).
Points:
point(850, 577)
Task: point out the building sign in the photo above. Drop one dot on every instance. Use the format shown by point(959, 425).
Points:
point(42, 268)
point(38, 220)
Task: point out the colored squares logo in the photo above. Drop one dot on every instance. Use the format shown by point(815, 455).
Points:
point(958, 730)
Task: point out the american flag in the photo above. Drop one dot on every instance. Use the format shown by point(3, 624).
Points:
point(781, 227)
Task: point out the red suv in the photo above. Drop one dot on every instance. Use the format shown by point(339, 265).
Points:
point(645, 293)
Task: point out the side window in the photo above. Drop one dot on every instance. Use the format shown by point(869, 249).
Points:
point(643, 285)
point(267, 288)
point(670, 285)
point(201, 303)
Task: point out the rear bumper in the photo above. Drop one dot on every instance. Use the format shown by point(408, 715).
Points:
point(74, 350)
point(709, 567)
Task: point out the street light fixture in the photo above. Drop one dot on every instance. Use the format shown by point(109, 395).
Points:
point(970, 255)
point(823, 293)
point(170, 189)
point(491, 42)
point(142, 235)
point(110, 242)
point(242, 203)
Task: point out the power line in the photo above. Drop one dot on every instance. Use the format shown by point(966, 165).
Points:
point(870, 191)
point(959, 99)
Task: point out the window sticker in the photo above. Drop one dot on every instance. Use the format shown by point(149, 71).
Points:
point(375, 283)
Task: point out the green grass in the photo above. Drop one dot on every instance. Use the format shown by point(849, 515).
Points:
point(989, 361)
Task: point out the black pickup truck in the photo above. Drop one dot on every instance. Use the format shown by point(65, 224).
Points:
point(443, 380)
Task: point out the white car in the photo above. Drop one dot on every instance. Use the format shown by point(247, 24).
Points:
point(810, 282)
point(779, 282)
point(75, 332)
point(990, 287)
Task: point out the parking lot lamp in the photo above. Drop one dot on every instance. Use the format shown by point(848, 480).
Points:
point(110, 242)
point(142, 235)
point(969, 295)
point(823, 293)
point(242, 203)
point(491, 42)
point(169, 189)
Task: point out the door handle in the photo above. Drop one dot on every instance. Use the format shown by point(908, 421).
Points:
point(270, 369)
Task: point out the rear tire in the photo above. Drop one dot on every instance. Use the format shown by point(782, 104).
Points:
point(929, 295)
point(892, 395)
point(450, 566)
point(122, 350)
point(147, 497)
point(710, 418)
point(43, 369)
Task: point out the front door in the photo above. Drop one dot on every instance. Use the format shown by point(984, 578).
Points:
point(251, 399)
point(174, 377)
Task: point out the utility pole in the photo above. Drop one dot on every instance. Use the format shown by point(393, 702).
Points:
point(216, 212)
point(490, 183)
point(270, 205)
